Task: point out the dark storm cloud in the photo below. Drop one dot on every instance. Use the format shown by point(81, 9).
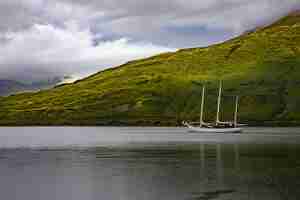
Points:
point(39, 38)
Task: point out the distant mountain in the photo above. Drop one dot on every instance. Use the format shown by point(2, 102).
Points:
point(262, 67)
point(8, 87)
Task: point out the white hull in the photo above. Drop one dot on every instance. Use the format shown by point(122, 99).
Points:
point(214, 130)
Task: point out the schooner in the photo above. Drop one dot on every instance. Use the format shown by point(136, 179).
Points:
point(218, 126)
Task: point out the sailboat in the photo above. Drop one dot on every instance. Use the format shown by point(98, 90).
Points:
point(219, 126)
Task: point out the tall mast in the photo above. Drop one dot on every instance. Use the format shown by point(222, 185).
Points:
point(202, 106)
point(236, 111)
point(219, 103)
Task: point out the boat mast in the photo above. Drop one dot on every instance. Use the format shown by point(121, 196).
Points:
point(236, 111)
point(202, 106)
point(219, 103)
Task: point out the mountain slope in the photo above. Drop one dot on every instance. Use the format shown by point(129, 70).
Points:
point(263, 67)
point(8, 87)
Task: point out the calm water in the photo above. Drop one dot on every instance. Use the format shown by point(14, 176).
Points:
point(148, 164)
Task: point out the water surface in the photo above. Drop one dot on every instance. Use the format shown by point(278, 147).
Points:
point(87, 163)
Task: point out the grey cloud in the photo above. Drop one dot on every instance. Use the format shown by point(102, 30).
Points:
point(34, 34)
point(46, 50)
point(144, 19)
point(149, 20)
point(17, 15)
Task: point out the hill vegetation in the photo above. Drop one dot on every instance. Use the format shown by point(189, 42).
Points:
point(262, 67)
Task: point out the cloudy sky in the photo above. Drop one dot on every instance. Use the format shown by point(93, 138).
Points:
point(41, 38)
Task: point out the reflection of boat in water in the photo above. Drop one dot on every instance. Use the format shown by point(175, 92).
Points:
point(213, 158)
point(218, 126)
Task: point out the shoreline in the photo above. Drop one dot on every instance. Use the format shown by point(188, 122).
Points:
point(155, 125)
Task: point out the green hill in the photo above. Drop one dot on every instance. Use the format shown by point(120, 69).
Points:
point(262, 67)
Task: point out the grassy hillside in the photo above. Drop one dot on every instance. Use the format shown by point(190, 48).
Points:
point(263, 67)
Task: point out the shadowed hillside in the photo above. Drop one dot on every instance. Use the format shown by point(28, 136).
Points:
point(262, 67)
